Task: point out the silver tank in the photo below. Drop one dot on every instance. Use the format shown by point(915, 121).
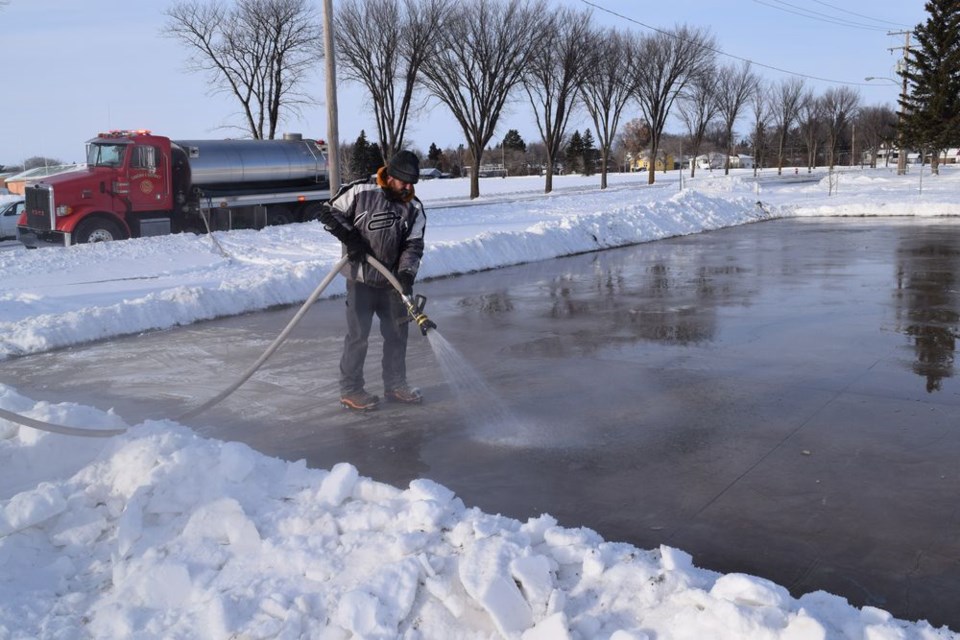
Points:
point(291, 159)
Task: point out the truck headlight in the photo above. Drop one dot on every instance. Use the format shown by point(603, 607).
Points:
point(64, 210)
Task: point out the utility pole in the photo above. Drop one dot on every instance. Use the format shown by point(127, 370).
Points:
point(901, 69)
point(333, 131)
point(853, 145)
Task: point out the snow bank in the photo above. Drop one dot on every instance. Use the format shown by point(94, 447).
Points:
point(160, 534)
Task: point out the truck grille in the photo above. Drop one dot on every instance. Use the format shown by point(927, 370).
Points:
point(38, 201)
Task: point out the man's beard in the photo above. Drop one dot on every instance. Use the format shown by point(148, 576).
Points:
point(399, 194)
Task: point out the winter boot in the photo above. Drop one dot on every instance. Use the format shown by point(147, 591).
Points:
point(404, 395)
point(359, 401)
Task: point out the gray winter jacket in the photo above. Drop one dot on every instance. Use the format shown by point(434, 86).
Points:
point(393, 228)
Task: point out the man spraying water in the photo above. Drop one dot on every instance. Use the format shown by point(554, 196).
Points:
point(383, 218)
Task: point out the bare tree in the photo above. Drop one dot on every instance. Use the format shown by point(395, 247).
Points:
point(553, 78)
point(34, 162)
point(259, 51)
point(839, 105)
point(786, 102)
point(698, 108)
point(604, 90)
point(477, 59)
point(879, 129)
point(382, 44)
point(664, 66)
point(811, 126)
point(735, 86)
point(635, 137)
point(760, 107)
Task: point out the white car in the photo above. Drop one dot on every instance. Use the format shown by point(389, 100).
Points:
point(10, 211)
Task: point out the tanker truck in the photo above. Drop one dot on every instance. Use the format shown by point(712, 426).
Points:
point(138, 184)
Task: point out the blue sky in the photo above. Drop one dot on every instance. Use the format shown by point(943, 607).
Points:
point(75, 68)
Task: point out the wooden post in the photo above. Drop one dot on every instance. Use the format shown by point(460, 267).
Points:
point(333, 133)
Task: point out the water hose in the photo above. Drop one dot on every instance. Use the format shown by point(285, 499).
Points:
point(273, 346)
point(58, 428)
point(414, 308)
point(413, 304)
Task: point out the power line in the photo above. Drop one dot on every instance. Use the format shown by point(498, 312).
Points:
point(816, 15)
point(859, 15)
point(724, 53)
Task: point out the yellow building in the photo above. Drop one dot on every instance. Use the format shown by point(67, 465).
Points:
point(17, 183)
point(643, 163)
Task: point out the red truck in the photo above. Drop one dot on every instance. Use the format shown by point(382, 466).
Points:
point(138, 184)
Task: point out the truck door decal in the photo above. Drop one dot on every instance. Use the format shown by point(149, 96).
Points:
point(146, 178)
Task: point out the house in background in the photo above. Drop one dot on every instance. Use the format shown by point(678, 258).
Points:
point(432, 173)
point(712, 160)
point(889, 155)
point(948, 156)
point(741, 161)
point(665, 162)
point(715, 160)
point(488, 171)
point(17, 183)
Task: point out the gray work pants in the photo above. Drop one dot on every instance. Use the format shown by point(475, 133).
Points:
point(362, 303)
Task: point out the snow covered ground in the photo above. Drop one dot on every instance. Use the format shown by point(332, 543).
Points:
point(158, 533)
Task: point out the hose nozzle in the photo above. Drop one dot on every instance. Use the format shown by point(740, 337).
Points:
point(413, 303)
point(415, 306)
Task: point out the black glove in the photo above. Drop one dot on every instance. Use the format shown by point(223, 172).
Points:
point(405, 278)
point(357, 246)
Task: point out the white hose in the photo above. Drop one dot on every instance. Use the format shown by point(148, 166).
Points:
point(273, 346)
point(102, 433)
point(58, 428)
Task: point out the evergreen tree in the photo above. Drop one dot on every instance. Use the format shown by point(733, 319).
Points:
point(434, 156)
point(931, 110)
point(361, 149)
point(589, 153)
point(574, 153)
point(513, 142)
point(366, 158)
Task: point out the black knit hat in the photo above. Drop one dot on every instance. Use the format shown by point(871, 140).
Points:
point(404, 166)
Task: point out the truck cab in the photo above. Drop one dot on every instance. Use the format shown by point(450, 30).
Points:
point(123, 191)
point(138, 184)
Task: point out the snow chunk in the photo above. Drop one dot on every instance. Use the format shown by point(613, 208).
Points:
point(552, 628)
point(570, 546)
point(377, 607)
point(161, 586)
point(224, 522)
point(237, 461)
point(629, 635)
point(675, 559)
point(484, 572)
point(536, 580)
point(424, 489)
point(338, 485)
point(750, 591)
point(30, 508)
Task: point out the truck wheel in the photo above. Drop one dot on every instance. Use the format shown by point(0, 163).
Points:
point(279, 215)
point(97, 230)
point(312, 211)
